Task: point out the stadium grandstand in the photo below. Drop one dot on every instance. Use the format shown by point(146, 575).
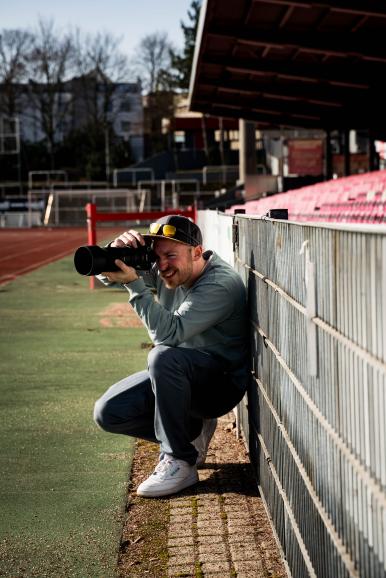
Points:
point(354, 199)
point(278, 65)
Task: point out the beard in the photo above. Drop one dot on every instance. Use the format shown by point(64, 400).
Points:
point(177, 276)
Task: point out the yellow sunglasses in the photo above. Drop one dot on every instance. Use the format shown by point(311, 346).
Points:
point(160, 229)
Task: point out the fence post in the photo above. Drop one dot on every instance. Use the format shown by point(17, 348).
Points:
point(91, 232)
point(91, 223)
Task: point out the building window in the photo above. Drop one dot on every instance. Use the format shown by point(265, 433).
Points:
point(125, 126)
point(217, 135)
point(228, 135)
point(125, 105)
point(179, 136)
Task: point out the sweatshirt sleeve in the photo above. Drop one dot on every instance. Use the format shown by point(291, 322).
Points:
point(204, 306)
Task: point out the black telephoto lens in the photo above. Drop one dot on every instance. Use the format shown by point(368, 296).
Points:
point(93, 260)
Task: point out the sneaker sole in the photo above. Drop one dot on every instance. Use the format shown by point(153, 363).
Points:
point(156, 493)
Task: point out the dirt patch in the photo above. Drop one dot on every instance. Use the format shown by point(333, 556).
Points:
point(119, 315)
point(143, 550)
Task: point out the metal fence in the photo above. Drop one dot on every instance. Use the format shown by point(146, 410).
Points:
point(315, 417)
point(66, 207)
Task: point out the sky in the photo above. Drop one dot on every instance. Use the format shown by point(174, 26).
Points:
point(129, 19)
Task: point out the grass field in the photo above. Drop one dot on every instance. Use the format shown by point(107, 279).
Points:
point(63, 481)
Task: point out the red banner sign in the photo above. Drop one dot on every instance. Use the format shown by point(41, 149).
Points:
point(305, 156)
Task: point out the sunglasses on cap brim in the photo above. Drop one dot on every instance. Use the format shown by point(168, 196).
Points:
point(163, 230)
point(170, 231)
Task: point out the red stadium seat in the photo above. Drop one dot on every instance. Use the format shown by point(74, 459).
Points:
point(355, 199)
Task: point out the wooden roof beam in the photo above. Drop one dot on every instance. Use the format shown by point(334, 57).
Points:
point(370, 8)
point(340, 75)
point(364, 45)
point(319, 92)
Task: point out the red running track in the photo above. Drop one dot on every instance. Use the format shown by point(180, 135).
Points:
point(23, 250)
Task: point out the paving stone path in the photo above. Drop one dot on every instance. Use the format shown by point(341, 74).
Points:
point(220, 527)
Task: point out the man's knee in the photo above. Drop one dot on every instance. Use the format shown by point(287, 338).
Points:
point(160, 357)
point(169, 369)
point(102, 415)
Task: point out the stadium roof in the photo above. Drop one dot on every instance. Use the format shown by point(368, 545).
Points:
point(292, 63)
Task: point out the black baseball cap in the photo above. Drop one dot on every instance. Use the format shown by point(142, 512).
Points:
point(175, 228)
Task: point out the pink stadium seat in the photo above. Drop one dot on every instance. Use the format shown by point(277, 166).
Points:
point(355, 199)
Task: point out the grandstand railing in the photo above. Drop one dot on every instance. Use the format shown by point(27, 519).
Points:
point(134, 174)
point(221, 173)
point(36, 178)
point(166, 193)
point(314, 419)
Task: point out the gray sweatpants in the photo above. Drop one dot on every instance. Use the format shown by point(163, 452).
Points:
point(168, 401)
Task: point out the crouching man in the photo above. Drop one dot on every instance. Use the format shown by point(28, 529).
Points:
point(198, 368)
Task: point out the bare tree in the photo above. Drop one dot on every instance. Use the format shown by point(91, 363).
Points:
point(152, 61)
point(15, 46)
point(99, 66)
point(50, 63)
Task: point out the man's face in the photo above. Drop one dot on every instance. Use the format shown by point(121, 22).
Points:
point(175, 262)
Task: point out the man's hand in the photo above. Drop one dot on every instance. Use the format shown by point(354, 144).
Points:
point(129, 239)
point(125, 275)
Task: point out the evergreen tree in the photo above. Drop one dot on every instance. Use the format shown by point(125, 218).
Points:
point(182, 62)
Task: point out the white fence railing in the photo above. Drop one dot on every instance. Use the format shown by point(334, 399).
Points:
point(315, 420)
point(217, 233)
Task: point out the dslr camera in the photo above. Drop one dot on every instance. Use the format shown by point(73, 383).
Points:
point(93, 260)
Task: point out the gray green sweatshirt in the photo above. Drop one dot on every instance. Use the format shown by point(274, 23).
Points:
point(210, 316)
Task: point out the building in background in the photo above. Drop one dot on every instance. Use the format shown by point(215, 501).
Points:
point(52, 113)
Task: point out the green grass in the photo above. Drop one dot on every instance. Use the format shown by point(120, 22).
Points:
point(63, 481)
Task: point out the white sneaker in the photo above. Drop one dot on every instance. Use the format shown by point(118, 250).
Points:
point(170, 476)
point(201, 443)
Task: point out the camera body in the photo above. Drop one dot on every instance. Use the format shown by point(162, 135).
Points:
point(93, 260)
